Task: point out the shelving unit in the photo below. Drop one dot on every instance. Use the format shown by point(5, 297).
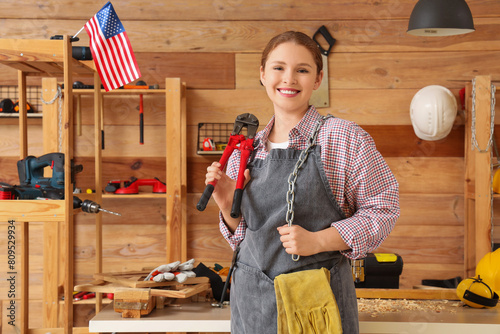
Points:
point(51, 59)
point(176, 179)
point(45, 58)
point(478, 172)
point(174, 93)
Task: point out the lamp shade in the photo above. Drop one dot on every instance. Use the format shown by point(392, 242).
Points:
point(440, 18)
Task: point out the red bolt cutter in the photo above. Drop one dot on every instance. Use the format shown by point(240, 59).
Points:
point(246, 146)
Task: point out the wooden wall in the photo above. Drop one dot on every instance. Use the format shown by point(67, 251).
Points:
point(214, 46)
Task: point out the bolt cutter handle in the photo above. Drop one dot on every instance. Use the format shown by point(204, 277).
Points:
point(245, 145)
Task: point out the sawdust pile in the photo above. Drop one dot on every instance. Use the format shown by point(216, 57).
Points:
point(376, 307)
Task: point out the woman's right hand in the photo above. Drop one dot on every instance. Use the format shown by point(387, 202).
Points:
point(224, 190)
point(223, 193)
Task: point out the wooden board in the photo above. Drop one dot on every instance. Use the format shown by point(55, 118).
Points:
point(375, 34)
point(416, 175)
point(134, 297)
point(135, 279)
point(133, 303)
point(221, 106)
point(361, 105)
point(409, 70)
point(234, 10)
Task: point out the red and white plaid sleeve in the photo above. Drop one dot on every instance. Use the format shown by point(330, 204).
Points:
point(363, 185)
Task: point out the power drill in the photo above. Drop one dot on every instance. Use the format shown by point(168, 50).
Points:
point(34, 185)
point(90, 206)
point(32, 182)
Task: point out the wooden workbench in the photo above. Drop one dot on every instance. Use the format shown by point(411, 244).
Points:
point(201, 317)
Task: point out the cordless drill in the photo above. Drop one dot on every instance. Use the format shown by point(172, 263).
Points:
point(34, 185)
point(90, 206)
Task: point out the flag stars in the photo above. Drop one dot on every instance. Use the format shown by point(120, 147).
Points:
point(109, 22)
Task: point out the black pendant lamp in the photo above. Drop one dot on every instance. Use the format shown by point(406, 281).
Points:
point(440, 18)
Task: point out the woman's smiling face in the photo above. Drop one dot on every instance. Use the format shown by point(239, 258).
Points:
point(290, 76)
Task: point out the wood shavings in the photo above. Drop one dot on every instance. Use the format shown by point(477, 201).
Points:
point(376, 307)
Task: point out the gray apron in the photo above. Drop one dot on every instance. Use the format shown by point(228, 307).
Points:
point(262, 256)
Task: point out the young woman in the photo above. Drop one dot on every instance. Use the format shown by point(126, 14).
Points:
point(345, 198)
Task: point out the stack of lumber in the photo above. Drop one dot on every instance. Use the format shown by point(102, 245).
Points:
point(135, 297)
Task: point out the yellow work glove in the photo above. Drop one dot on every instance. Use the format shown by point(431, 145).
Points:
point(306, 303)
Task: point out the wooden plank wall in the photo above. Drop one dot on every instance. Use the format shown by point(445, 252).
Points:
point(214, 46)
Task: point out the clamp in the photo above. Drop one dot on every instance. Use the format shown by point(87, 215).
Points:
point(246, 146)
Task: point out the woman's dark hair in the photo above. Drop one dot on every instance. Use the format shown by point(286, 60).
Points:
point(297, 38)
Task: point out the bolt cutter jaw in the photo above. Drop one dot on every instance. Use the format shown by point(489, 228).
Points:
point(246, 120)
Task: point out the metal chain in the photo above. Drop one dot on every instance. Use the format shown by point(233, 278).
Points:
point(474, 142)
point(59, 110)
point(292, 179)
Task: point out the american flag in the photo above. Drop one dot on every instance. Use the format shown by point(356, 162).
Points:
point(111, 50)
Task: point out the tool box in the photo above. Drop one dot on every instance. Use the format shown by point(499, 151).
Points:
point(377, 271)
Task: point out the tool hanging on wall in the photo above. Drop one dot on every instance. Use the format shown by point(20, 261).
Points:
point(246, 146)
point(321, 96)
point(141, 85)
point(102, 123)
point(141, 120)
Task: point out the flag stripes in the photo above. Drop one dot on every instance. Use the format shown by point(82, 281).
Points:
point(113, 57)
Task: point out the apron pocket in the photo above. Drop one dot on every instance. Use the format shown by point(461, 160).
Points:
point(253, 301)
point(342, 284)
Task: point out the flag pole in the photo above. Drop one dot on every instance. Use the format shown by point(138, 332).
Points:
point(79, 31)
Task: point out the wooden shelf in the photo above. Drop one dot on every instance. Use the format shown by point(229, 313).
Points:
point(33, 210)
point(209, 152)
point(42, 58)
point(89, 301)
point(16, 115)
point(120, 91)
point(136, 196)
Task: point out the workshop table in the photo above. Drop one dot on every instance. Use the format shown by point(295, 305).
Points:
point(202, 317)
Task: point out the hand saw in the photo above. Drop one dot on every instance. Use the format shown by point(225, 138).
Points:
point(321, 96)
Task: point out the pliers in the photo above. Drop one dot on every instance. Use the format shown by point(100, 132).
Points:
point(246, 146)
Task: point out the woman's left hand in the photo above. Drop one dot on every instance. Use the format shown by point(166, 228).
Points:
point(297, 240)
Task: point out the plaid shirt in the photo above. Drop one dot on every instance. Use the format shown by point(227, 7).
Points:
point(362, 183)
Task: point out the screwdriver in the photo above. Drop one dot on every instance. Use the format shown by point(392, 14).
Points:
point(90, 206)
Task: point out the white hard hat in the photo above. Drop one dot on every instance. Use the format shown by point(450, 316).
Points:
point(433, 111)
